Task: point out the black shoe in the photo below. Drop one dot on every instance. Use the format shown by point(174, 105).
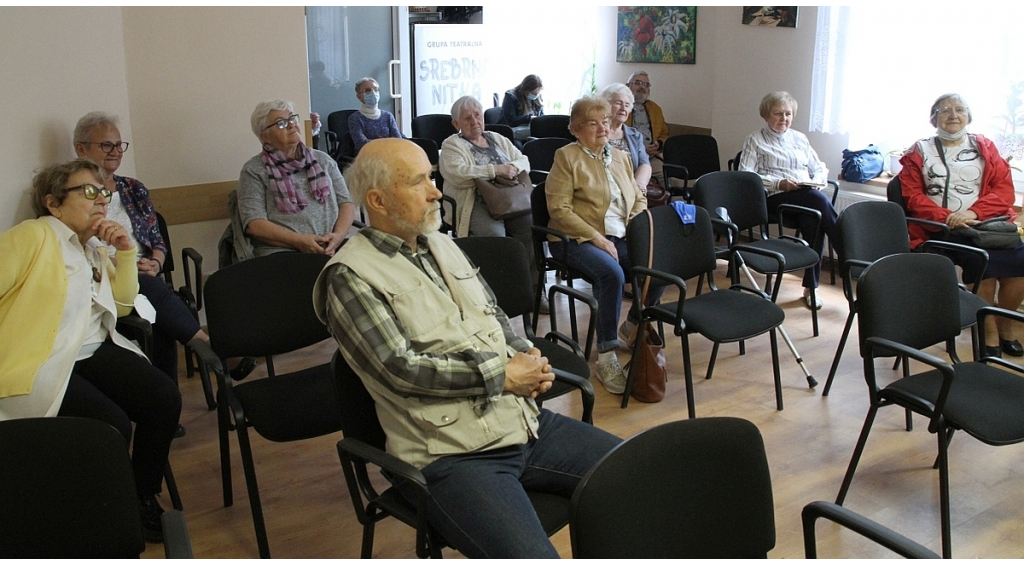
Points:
point(993, 351)
point(149, 512)
point(1012, 348)
point(179, 432)
point(244, 368)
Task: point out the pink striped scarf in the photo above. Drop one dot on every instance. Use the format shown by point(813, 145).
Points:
point(281, 167)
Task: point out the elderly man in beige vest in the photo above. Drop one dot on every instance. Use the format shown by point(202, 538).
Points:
point(453, 384)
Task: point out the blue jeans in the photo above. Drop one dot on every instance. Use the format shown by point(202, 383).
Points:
point(816, 200)
point(608, 278)
point(479, 502)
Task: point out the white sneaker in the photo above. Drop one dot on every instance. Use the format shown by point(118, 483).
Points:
point(545, 307)
point(611, 376)
point(817, 303)
point(627, 335)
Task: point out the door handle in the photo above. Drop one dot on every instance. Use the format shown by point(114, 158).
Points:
point(392, 66)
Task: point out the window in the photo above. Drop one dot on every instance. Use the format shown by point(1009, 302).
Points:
point(878, 69)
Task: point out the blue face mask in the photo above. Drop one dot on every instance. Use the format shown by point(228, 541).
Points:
point(532, 97)
point(371, 98)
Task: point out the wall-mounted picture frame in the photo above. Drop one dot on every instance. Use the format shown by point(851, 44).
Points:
point(657, 34)
point(770, 16)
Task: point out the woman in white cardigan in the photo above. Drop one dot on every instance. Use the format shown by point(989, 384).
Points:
point(474, 153)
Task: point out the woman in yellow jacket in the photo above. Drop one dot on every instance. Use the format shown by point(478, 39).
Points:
point(60, 296)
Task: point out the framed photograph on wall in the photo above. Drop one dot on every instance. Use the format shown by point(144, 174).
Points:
point(657, 34)
point(770, 16)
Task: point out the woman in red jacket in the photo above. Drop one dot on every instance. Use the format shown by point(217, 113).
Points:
point(966, 183)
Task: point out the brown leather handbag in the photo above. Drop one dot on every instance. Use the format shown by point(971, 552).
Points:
point(649, 373)
point(656, 195)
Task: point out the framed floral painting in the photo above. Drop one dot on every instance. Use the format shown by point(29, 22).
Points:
point(771, 16)
point(657, 34)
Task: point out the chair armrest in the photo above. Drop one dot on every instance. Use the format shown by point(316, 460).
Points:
point(835, 190)
point(677, 171)
point(861, 525)
point(363, 452)
point(998, 312)
point(639, 272)
point(206, 355)
point(573, 294)
point(934, 225)
point(735, 255)
point(177, 543)
point(585, 388)
point(785, 210)
point(946, 248)
point(732, 232)
point(194, 295)
point(539, 231)
point(871, 343)
point(538, 176)
point(847, 273)
point(137, 329)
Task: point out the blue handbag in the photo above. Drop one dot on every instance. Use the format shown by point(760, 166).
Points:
point(861, 166)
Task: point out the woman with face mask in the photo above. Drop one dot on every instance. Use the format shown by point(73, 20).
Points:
point(523, 103)
point(370, 122)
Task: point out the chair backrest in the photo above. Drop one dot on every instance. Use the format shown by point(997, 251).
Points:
point(436, 127)
point(910, 298)
point(492, 115)
point(358, 410)
point(551, 126)
point(894, 193)
point(698, 153)
point(697, 488)
point(262, 306)
point(429, 147)
point(66, 491)
point(506, 268)
point(868, 231)
point(541, 152)
point(685, 251)
point(337, 122)
point(501, 129)
point(734, 163)
point(741, 193)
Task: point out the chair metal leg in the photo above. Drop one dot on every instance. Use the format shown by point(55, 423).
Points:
point(857, 452)
point(711, 363)
point(776, 371)
point(909, 415)
point(691, 409)
point(172, 487)
point(814, 312)
point(641, 338)
point(223, 428)
point(204, 377)
point(839, 352)
point(249, 467)
point(947, 542)
point(367, 550)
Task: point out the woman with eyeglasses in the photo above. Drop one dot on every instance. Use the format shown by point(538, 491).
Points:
point(60, 297)
point(370, 122)
point(98, 139)
point(291, 197)
point(624, 137)
point(959, 179)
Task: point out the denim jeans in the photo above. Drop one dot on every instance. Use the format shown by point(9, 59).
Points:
point(608, 278)
point(479, 502)
point(815, 200)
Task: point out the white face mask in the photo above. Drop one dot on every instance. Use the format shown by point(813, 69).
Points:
point(371, 98)
point(947, 136)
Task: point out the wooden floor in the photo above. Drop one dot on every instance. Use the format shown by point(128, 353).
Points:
point(309, 514)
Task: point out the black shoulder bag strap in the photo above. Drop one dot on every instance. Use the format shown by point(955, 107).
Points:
point(942, 156)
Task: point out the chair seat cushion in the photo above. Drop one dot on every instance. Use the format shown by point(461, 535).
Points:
point(798, 257)
point(725, 315)
point(984, 401)
point(969, 306)
point(292, 407)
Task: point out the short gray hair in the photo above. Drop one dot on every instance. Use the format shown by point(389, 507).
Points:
point(263, 109)
point(638, 73)
point(91, 120)
point(368, 171)
point(943, 98)
point(618, 88)
point(773, 99)
point(364, 80)
point(53, 181)
point(464, 102)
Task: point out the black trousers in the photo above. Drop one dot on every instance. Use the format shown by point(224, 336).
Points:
point(174, 323)
point(119, 387)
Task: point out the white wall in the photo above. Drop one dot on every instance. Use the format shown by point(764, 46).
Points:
point(57, 65)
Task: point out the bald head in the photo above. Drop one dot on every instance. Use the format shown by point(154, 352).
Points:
point(377, 163)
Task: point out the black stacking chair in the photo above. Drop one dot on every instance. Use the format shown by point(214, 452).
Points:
point(551, 126)
point(67, 491)
point(688, 157)
point(541, 153)
point(192, 294)
point(859, 524)
point(868, 231)
point(337, 123)
point(652, 497)
point(743, 196)
point(682, 252)
point(557, 262)
point(436, 127)
point(501, 129)
point(504, 265)
point(492, 115)
point(905, 303)
point(433, 155)
point(363, 447)
point(262, 307)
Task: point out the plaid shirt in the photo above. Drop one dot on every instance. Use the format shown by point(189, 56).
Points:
point(365, 327)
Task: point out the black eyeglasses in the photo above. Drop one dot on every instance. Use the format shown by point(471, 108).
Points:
point(108, 147)
point(283, 123)
point(641, 83)
point(90, 191)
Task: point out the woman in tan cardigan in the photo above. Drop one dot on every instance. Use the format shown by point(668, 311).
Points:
point(592, 197)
